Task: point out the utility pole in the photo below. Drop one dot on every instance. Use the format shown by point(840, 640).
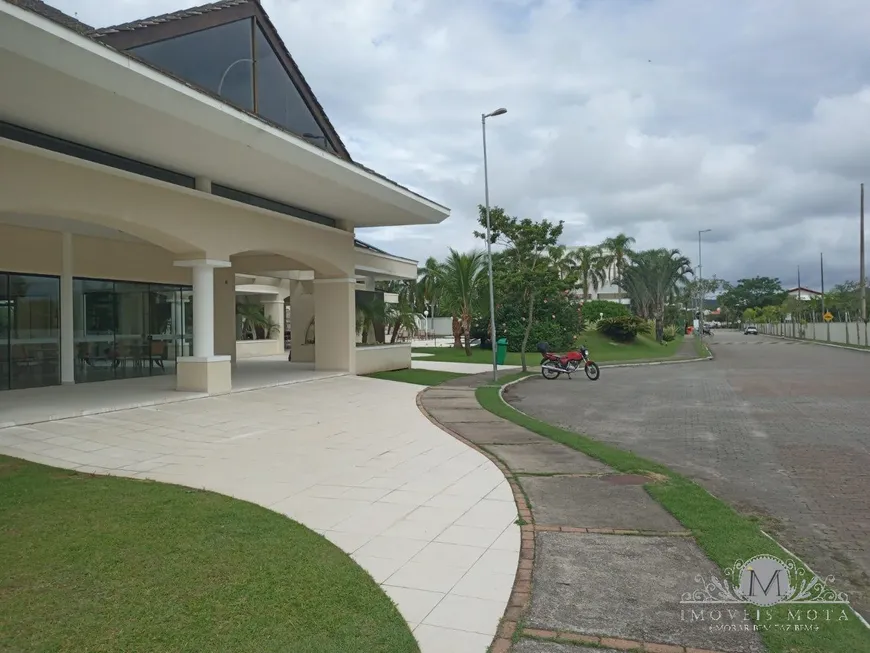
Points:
point(862, 283)
point(827, 324)
point(799, 306)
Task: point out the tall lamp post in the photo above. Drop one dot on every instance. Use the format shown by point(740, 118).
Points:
point(701, 292)
point(498, 112)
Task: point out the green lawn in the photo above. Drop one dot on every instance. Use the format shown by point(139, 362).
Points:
point(418, 377)
point(601, 349)
point(92, 563)
point(723, 534)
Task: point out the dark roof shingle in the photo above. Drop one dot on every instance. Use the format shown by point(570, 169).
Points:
point(56, 15)
point(181, 14)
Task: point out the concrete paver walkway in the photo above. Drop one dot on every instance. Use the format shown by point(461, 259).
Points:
point(601, 562)
point(353, 458)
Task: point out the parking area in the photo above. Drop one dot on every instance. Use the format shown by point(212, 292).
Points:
point(777, 428)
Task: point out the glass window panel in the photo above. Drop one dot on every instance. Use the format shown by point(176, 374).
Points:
point(217, 59)
point(33, 315)
point(4, 332)
point(278, 99)
point(95, 320)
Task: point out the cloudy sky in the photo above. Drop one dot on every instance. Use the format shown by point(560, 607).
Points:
point(653, 117)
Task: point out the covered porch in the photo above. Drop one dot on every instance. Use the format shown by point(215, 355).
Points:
point(35, 405)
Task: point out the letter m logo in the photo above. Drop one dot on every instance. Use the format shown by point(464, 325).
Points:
point(765, 589)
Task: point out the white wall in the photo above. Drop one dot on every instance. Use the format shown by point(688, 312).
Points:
point(382, 358)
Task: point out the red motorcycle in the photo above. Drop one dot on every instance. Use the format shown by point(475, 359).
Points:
point(553, 365)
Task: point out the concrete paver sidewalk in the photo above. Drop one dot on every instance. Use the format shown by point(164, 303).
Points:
point(601, 562)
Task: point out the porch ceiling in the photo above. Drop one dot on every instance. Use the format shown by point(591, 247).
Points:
point(62, 83)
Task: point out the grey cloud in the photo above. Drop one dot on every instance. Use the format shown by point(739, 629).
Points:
point(654, 117)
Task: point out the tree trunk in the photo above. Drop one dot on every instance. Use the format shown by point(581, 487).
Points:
point(527, 331)
point(660, 327)
point(466, 330)
point(457, 332)
point(395, 333)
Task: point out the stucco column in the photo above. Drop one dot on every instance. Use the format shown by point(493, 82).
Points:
point(204, 371)
point(67, 315)
point(274, 309)
point(225, 319)
point(335, 319)
point(301, 312)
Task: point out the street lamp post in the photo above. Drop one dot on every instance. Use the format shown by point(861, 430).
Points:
point(483, 117)
point(701, 285)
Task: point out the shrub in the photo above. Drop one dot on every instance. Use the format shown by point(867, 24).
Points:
point(557, 322)
point(669, 334)
point(623, 328)
point(596, 309)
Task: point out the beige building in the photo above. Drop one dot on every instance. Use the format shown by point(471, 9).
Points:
point(151, 171)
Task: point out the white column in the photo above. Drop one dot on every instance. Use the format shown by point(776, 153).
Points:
point(204, 371)
point(67, 321)
point(335, 316)
point(203, 311)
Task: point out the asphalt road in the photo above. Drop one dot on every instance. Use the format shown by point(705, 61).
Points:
point(777, 428)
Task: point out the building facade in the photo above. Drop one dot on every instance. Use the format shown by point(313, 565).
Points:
point(151, 168)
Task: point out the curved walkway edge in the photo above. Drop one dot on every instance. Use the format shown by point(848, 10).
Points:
point(597, 552)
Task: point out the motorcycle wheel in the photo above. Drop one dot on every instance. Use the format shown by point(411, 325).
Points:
point(593, 371)
point(549, 373)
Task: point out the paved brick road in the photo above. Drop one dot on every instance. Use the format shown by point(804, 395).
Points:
point(777, 428)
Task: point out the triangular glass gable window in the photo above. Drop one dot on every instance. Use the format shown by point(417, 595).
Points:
point(217, 59)
point(278, 99)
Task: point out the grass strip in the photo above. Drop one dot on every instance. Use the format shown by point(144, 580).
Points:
point(416, 376)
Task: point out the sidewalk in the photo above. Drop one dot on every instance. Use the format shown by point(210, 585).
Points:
point(601, 562)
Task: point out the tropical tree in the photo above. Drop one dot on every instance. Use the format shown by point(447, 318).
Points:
point(590, 269)
point(462, 290)
point(254, 320)
point(368, 315)
point(618, 253)
point(652, 280)
point(535, 263)
point(404, 313)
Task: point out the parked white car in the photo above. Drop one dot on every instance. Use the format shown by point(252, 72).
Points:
point(750, 330)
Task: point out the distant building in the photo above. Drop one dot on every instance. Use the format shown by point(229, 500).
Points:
point(804, 294)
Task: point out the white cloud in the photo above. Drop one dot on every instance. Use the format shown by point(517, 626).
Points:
point(654, 117)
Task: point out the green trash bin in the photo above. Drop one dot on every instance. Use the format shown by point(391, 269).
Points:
point(501, 354)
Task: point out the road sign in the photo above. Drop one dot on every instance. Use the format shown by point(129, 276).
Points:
point(828, 317)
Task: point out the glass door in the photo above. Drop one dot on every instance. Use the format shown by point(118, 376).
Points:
point(94, 317)
point(32, 314)
point(4, 331)
point(133, 353)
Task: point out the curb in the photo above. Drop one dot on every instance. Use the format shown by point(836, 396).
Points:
point(521, 594)
point(820, 344)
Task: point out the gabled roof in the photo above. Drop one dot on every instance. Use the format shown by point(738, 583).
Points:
point(144, 23)
point(808, 291)
point(104, 35)
point(185, 21)
point(39, 7)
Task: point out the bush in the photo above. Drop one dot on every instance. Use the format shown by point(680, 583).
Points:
point(596, 309)
point(623, 328)
point(669, 334)
point(557, 322)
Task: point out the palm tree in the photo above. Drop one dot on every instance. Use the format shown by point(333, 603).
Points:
point(429, 285)
point(463, 284)
point(403, 314)
point(589, 265)
point(652, 280)
point(368, 314)
point(618, 253)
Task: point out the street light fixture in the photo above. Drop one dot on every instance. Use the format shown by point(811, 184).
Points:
point(498, 112)
point(701, 285)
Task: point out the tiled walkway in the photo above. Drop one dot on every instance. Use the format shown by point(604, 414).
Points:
point(353, 458)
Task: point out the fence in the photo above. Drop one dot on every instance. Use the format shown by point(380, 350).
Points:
point(845, 332)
